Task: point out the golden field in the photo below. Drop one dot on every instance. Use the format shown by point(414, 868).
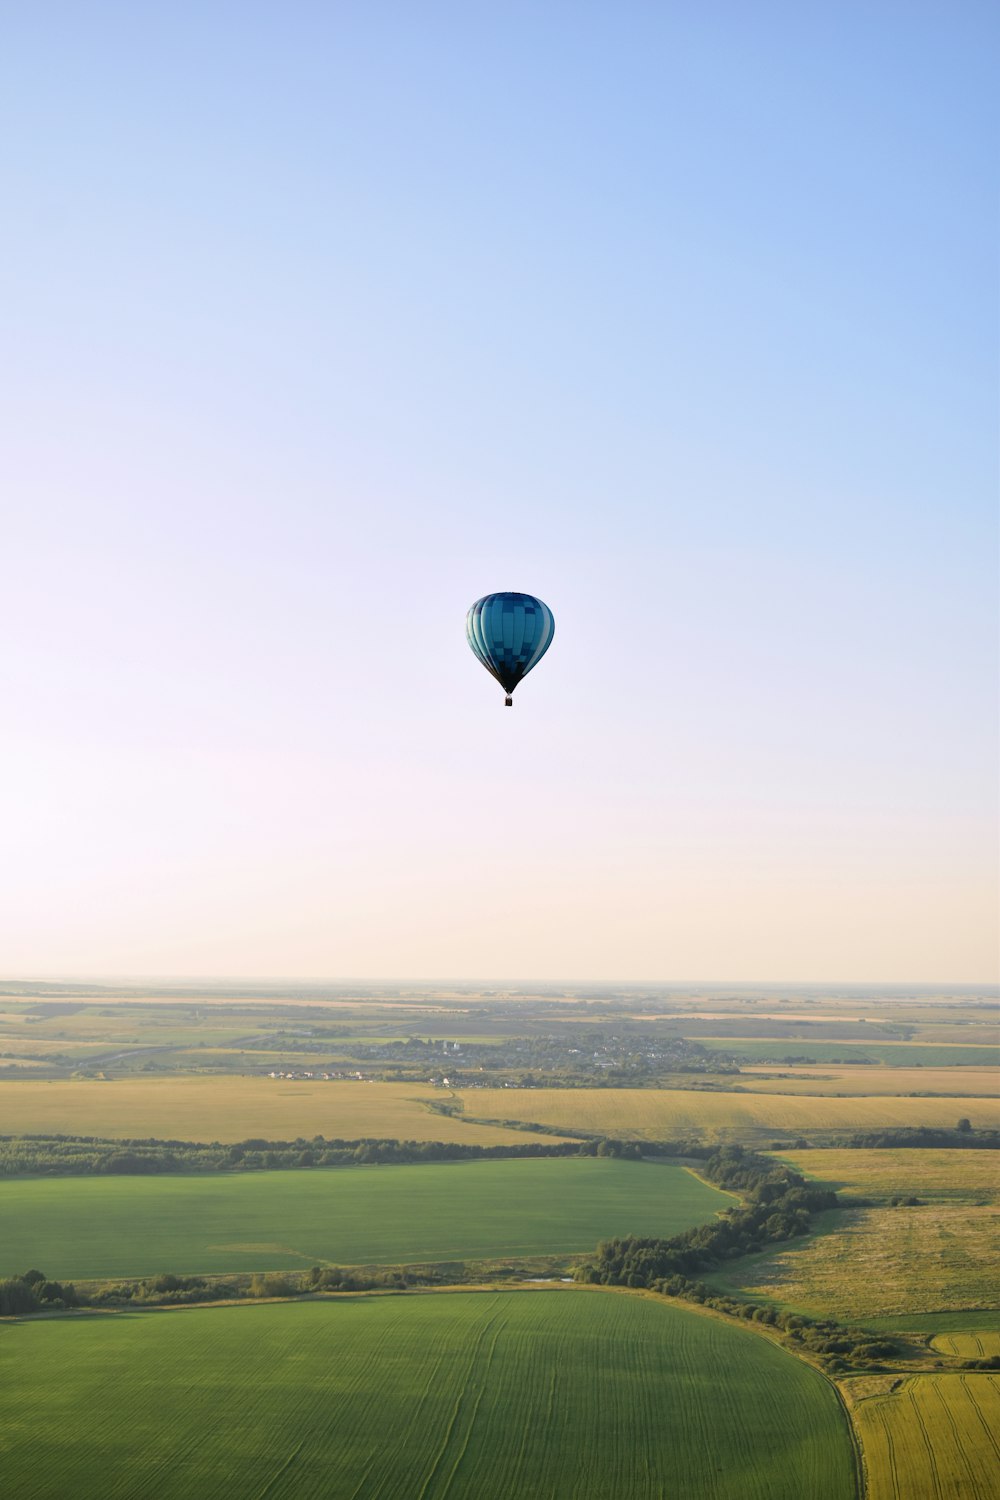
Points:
point(234, 1108)
point(983, 1344)
point(667, 1113)
point(935, 1437)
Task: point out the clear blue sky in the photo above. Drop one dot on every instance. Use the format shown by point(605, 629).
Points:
point(322, 320)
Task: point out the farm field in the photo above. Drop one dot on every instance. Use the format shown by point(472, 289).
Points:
point(934, 1436)
point(667, 1113)
point(984, 1033)
point(885, 1262)
point(910, 1054)
point(979, 1344)
point(547, 1394)
point(103, 1227)
point(234, 1109)
point(833, 1079)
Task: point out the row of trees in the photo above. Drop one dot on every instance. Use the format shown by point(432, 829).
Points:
point(83, 1156)
point(778, 1205)
point(33, 1292)
point(924, 1137)
point(335, 1279)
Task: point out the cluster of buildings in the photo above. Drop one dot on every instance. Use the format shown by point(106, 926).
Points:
point(295, 1074)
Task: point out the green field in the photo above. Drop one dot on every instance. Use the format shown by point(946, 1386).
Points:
point(934, 1323)
point(474, 1396)
point(892, 1054)
point(88, 1227)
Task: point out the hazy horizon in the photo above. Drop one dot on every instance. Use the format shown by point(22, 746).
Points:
point(277, 983)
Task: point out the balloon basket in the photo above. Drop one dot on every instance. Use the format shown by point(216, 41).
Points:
point(508, 703)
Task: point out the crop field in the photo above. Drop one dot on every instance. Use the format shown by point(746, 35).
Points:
point(234, 1109)
point(667, 1113)
point(948, 1176)
point(933, 1436)
point(987, 1034)
point(889, 1262)
point(834, 1079)
point(95, 1227)
point(469, 1396)
point(891, 1054)
point(970, 1344)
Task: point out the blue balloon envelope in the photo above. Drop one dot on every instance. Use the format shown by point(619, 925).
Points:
point(510, 633)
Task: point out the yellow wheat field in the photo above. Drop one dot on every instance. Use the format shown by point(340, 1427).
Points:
point(933, 1438)
point(666, 1113)
point(234, 1109)
point(984, 1343)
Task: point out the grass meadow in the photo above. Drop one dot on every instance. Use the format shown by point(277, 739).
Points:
point(932, 1324)
point(95, 1227)
point(884, 1262)
point(944, 1176)
point(473, 1396)
point(934, 1436)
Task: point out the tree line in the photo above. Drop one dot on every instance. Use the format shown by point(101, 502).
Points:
point(925, 1137)
point(778, 1204)
point(83, 1156)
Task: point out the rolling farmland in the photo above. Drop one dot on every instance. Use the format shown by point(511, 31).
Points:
point(934, 1436)
point(637, 1397)
point(468, 1396)
point(102, 1227)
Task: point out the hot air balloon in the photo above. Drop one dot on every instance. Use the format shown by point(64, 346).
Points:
point(510, 633)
